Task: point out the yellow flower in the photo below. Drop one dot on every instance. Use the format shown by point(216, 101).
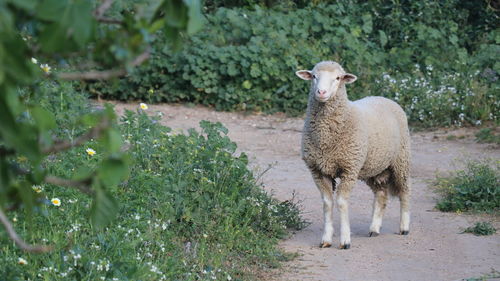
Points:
point(33, 60)
point(45, 68)
point(56, 202)
point(143, 106)
point(90, 151)
point(37, 188)
point(22, 261)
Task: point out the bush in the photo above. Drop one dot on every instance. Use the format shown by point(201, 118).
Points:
point(488, 135)
point(476, 188)
point(481, 228)
point(245, 59)
point(190, 210)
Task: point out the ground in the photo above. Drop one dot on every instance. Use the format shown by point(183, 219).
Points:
point(435, 249)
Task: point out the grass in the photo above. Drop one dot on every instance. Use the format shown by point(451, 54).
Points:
point(475, 188)
point(481, 228)
point(490, 276)
point(190, 210)
point(487, 135)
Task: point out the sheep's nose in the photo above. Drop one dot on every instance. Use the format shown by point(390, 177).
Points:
point(321, 92)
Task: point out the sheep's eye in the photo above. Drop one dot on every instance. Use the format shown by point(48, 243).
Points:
point(338, 78)
point(315, 77)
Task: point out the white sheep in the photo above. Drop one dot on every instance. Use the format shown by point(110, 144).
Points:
point(367, 139)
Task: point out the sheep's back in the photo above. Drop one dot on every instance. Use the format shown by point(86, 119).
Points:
point(385, 130)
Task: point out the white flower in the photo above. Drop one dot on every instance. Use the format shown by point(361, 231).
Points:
point(46, 68)
point(37, 188)
point(90, 151)
point(143, 106)
point(22, 261)
point(33, 60)
point(56, 202)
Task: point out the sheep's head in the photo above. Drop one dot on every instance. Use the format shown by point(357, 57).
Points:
point(327, 77)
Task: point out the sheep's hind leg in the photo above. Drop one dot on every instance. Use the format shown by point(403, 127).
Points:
point(402, 189)
point(342, 201)
point(326, 186)
point(404, 200)
point(379, 204)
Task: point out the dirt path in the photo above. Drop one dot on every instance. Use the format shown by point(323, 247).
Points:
point(434, 250)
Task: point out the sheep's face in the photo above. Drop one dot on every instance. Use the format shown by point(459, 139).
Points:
point(326, 78)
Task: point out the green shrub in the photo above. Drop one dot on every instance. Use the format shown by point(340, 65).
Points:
point(190, 210)
point(245, 59)
point(487, 135)
point(476, 188)
point(481, 228)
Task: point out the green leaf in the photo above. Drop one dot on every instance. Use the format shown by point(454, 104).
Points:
point(80, 20)
point(25, 4)
point(196, 19)
point(104, 208)
point(51, 10)
point(44, 119)
point(383, 38)
point(247, 84)
point(112, 171)
point(82, 172)
point(112, 140)
point(367, 23)
point(175, 13)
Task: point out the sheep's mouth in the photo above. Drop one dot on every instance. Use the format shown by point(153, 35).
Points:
point(322, 99)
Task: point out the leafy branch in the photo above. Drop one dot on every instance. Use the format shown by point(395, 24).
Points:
point(105, 74)
point(93, 133)
point(75, 32)
point(99, 13)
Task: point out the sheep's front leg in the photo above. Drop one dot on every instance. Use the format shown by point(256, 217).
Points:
point(326, 186)
point(342, 202)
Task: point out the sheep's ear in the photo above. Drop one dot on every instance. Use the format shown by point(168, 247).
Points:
point(348, 78)
point(304, 74)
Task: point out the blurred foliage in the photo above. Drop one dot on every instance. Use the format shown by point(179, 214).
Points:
point(69, 34)
point(245, 58)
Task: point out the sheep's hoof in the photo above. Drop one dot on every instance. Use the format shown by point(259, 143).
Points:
point(404, 232)
point(325, 245)
point(345, 246)
point(373, 234)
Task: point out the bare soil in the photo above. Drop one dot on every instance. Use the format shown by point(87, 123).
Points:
point(435, 248)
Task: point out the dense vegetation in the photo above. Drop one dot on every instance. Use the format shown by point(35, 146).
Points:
point(481, 228)
point(475, 188)
point(190, 209)
point(436, 58)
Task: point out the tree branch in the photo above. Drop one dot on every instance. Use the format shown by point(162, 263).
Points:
point(82, 185)
point(20, 242)
point(108, 20)
point(92, 133)
point(6, 151)
point(106, 4)
point(105, 74)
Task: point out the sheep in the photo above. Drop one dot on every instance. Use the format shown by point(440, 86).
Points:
point(367, 139)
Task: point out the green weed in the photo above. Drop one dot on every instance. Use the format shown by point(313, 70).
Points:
point(481, 228)
point(490, 276)
point(475, 188)
point(487, 135)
